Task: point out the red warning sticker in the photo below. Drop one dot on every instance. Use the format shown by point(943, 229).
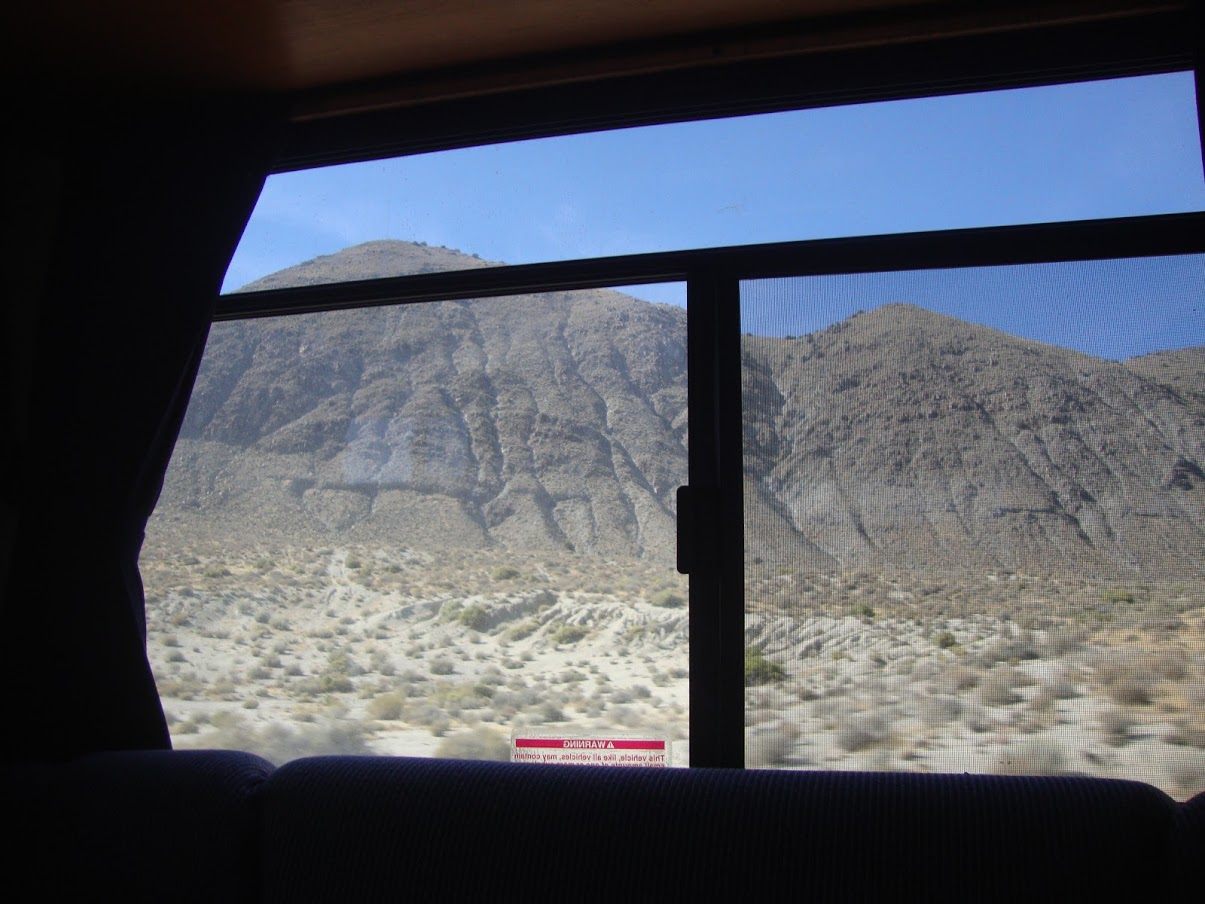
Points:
point(646, 752)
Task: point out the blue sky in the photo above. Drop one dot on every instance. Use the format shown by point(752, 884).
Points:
point(1112, 309)
point(1123, 147)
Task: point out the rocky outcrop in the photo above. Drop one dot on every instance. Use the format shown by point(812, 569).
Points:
point(897, 437)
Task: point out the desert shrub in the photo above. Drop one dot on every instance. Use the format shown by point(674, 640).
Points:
point(1010, 649)
point(998, 688)
point(1061, 689)
point(475, 616)
point(1044, 700)
point(759, 669)
point(387, 707)
point(626, 716)
point(1031, 757)
point(861, 733)
point(568, 634)
point(463, 696)
point(522, 630)
point(1115, 725)
point(279, 743)
point(668, 598)
point(185, 687)
point(328, 683)
point(768, 747)
point(1194, 693)
point(343, 663)
point(939, 710)
point(380, 663)
point(1063, 640)
point(1187, 772)
point(977, 719)
point(956, 680)
point(549, 712)
point(1129, 692)
point(353, 563)
point(479, 744)
point(1171, 665)
point(1114, 595)
point(215, 571)
point(442, 666)
point(945, 639)
point(1187, 733)
point(505, 573)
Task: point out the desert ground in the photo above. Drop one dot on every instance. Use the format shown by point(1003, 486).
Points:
point(290, 651)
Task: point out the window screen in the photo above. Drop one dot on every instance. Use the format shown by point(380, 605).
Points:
point(975, 515)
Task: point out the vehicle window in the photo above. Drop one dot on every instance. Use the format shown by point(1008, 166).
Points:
point(1112, 148)
point(416, 529)
point(974, 507)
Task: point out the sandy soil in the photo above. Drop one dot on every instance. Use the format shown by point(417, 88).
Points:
point(290, 652)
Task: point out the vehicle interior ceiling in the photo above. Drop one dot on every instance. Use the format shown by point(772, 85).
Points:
point(141, 136)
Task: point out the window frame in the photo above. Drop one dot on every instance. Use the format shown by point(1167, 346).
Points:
point(711, 510)
point(713, 528)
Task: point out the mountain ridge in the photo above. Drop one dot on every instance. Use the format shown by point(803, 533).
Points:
point(898, 436)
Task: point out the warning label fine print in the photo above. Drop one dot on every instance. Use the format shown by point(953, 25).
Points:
point(647, 752)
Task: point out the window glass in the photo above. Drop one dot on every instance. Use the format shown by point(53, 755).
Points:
point(975, 502)
point(415, 529)
point(1110, 148)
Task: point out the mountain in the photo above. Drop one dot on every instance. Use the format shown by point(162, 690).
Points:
point(898, 437)
point(901, 436)
point(555, 420)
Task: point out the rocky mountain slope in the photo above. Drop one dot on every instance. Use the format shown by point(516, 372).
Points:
point(898, 437)
point(906, 437)
point(555, 421)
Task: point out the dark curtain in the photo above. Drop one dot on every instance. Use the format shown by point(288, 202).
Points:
point(131, 212)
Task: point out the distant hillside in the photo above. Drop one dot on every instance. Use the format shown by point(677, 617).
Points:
point(897, 437)
point(908, 437)
point(555, 420)
point(1182, 372)
point(371, 260)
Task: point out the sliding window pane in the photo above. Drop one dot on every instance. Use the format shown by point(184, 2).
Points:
point(417, 529)
point(1111, 148)
point(975, 516)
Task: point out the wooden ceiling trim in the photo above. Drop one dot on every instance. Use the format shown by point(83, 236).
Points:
point(435, 49)
point(976, 62)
